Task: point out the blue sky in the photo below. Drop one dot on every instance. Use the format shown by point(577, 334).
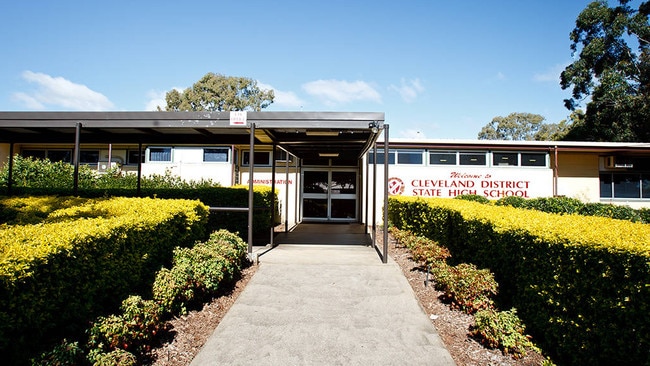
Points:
point(438, 69)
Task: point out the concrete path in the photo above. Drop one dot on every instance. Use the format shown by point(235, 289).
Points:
point(325, 305)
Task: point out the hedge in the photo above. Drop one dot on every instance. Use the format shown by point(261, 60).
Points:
point(235, 222)
point(581, 284)
point(80, 261)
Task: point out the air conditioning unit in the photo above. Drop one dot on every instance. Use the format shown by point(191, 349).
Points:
point(103, 166)
point(613, 162)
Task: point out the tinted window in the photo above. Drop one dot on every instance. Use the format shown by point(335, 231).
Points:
point(472, 159)
point(533, 159)
point(442, 158)
point(505, 159)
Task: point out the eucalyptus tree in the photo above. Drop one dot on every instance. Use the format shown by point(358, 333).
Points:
point(611, 72)
point(216, 92)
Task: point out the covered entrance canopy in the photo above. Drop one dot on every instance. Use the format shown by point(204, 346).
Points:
point(339, 136)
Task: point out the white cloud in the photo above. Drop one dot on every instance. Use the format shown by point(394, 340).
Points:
point(283, 98)
point(156, 99)
point(341, 91)
point(408, 89)
point(550, 75)
point(58, 92)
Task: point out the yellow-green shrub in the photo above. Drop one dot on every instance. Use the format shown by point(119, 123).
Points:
point(580, 283)
point(82, 260)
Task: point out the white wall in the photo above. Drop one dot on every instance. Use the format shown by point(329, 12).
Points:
point(264, 177)
point(187, 163)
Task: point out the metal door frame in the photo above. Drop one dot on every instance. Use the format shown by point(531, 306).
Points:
point(329, 195)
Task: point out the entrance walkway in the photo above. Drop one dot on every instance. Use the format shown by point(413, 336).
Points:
point(325, 305)
point(325, 233)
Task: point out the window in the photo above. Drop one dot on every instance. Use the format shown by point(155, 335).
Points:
point(380, 157)
point(160, 154)
point(467, 158)
point(409, 157)
point(442, 158)
point(533, 159)
point(505, 159)
point(216, 154)
point(262, 158)
point(282, 156)
point(88, 156)
point(133, 156)
point(60, 155)
point(606, 190)
point(624, 185)
point(35, 154)
point(627, 186)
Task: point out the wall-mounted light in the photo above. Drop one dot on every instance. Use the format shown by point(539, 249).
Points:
point(328, 155)
point(373, 126)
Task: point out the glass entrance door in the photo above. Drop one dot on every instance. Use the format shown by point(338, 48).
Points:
point(329, 195)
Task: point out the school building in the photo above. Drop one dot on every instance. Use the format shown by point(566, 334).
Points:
point(328, 166)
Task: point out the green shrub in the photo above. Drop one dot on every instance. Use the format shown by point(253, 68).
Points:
point(512, 201)
point(197, 273)
point(473, 198)
point(503, 330)
point(579, 282)
point(64, 353)
point(428, 252)
point(560, 205)
point(118, 357)
point(133, 330)
point(644, 213)
point(81, 261)
point(612, 211)
point(401, 237)
point(465, 286)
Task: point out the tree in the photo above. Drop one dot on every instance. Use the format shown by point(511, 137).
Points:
point(613, 69)
point(216, 92)
point(516, 126)
point(552, 131)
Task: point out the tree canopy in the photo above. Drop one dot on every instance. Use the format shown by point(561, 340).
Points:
point(216, 92)
point(516, 126)
point(612, 72)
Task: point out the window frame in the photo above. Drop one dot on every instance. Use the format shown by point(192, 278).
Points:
point(83, 154)
point(608, 186)
point(131, 154)
point(484, 155)
point(150, 150)
point(544, 161)
point(392, 157)
point(223, 148)
point(409, 152)
point(443, 152)
point(245, 158)
point(502, 154)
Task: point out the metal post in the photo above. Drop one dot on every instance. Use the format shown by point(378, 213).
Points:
point(139, 168)
point(296, 212)
point(385, 258)
point(251, 165)
point(75, 158)
point(11, 168)
point(367, 190)
point(110, 155)
point(374, 196)
point(286, 192)
point(272, 193)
